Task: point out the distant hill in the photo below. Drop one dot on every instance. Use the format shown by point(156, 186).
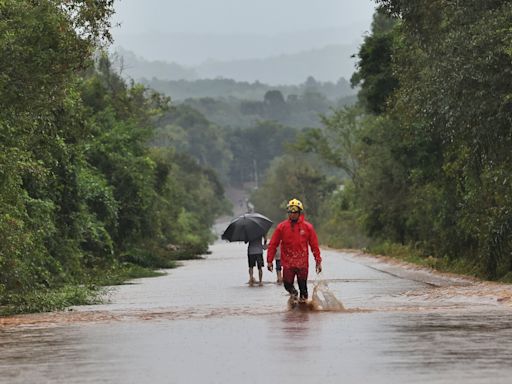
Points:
point(135, 67)
point(180, 90)
point(324, 64)
point(193, 48)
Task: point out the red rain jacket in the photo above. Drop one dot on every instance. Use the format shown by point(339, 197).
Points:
point(294, 239)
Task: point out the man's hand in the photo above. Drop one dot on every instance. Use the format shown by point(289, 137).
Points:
point(318, 267)
point(270, 267)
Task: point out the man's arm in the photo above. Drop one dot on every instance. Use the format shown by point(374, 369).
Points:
point(313, 243)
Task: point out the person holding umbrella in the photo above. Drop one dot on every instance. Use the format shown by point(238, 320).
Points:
point(250, 228)
point(294, 236)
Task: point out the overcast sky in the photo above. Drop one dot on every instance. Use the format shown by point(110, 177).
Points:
point(239, 16)
point(192, 31)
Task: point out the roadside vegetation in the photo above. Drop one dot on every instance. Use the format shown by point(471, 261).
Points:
point(427, 150)
point(85, 200)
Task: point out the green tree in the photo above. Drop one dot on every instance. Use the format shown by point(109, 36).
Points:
point(337, 142)
point(374, 68)
point(293, 175)
point(200, 138)
point(254, 148)
point(42, 47)
point(452, 113)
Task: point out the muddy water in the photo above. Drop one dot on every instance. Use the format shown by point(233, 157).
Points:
point(202, 323)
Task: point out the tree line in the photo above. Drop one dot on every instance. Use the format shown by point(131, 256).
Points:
point(84, 198)
point(221, 88)
point(427, 151)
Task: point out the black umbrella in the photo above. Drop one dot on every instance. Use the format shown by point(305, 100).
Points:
point(247, 227)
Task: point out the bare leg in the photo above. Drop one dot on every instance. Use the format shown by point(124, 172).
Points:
point(279, 277)
point(251, 277)
point(260, 275)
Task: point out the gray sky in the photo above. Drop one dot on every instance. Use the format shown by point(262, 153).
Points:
point(239, 16)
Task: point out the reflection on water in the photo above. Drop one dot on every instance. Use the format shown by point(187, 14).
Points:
point(442, 339)
point(295, 323)
point(203, 324)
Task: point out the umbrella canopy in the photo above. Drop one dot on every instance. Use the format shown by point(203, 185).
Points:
point(247, 227)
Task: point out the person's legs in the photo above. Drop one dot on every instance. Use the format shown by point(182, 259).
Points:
point(288, 277)
point(259, 261)
point(278, 272)
point(302, 281)
point(252, 263)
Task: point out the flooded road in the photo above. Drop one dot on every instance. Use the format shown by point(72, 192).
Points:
point(201, 323)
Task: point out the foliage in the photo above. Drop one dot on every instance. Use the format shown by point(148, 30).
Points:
point(42, 46)
point(81, 190)
point(374, 69)
point(188, 131)
point(337, 141)
point(254, 148)
point(340, 223)
point(430, 164)
point(433, 168)
point(237, 155)
point(296, 110)
point(293, 175)
point(462, 113)
point(49, 300)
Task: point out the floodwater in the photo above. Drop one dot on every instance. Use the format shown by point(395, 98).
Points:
point(202, 323)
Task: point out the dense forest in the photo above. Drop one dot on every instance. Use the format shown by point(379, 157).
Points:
point(84, 200)
point(229, 103)
point(103, 179)
point(427, 150)
point(298, 111)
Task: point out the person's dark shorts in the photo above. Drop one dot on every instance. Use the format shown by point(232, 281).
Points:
point(255, 259)
point(278, 265)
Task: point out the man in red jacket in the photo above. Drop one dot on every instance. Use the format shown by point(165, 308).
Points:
point(294, 236)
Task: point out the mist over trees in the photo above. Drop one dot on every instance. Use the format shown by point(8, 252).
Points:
point(327, 62)
point(296, 111)
point(223, 88)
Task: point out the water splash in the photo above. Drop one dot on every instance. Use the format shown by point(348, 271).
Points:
point(324, 300)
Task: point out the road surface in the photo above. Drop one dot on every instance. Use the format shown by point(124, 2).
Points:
point(202, 323)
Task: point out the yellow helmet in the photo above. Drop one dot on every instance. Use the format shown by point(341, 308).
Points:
point(294, 205)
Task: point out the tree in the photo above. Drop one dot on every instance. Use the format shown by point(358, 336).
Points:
point(452, 61)
point(43, 46)
point(293, 175)
point(204, 140)
point(375, 74)
point(337, 141)
point(258, 145)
